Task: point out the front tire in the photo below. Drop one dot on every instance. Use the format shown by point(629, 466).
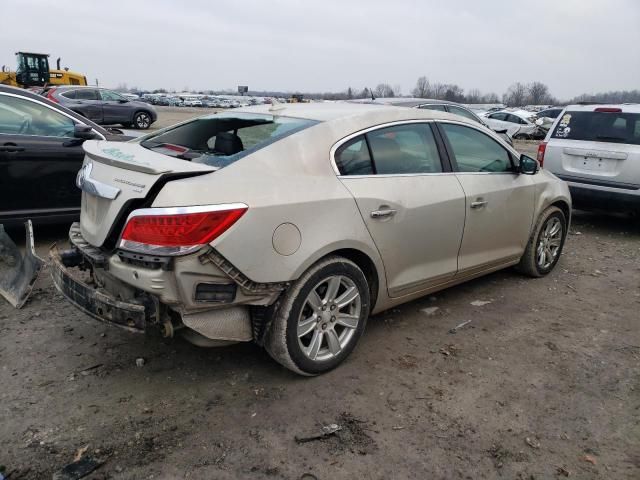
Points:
point(142, 120)
point(320, 318)
point(545, 244)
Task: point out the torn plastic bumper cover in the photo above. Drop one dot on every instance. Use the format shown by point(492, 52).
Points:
point(18, 272)
point(103, 307)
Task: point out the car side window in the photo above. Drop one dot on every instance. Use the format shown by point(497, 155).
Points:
point(110, 96)
point(474, 151)
point(87, 94)
point(463, 113)
point(70, 94)
point(439, 108)
point(403, 149)
point(19, 116)
point(352, 157)
point(498, 116)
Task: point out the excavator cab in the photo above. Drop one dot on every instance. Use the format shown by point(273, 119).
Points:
point(33, 69)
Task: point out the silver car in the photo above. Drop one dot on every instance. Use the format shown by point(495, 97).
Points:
point(596, 149)
point(291, 225)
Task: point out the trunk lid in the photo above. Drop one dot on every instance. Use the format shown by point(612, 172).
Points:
point(119, 177)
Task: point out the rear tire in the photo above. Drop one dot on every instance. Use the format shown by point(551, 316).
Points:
point(141, 120)
point(545, 244)
point(320, 318)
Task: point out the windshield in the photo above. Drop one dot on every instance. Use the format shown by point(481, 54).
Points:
point(221, 139)
point(616, 127)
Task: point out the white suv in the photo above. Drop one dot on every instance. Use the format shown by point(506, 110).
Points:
point(596, 149)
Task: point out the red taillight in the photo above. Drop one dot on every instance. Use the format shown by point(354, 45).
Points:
point(608, 110)
point(542, 148)
point(50, 95)
point(177, 231)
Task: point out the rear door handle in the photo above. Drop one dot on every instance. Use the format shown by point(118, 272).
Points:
point(383, 213)
point(479, 203)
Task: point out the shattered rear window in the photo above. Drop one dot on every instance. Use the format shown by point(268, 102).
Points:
point(221, 139)
point(613, 127)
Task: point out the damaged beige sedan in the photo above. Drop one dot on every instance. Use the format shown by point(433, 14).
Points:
point(290, 225)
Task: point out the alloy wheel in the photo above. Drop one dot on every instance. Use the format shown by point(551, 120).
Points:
point(329, 318)
point(549, 243)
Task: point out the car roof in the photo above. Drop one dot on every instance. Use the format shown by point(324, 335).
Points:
point(327, 111)
point(405, 101)
point(626, 107)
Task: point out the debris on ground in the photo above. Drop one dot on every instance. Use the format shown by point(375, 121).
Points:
point(563, 471)
point(449, 350)
point(80, 452)
point(430, 311)
point(533, 443)
point(140, 362)
point(325, 431)
point(480, 303)
point(590, 459)
point(458, 327)
point(77, 469)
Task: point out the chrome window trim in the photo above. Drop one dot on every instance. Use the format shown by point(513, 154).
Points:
point(73, 119)
point(342, 141)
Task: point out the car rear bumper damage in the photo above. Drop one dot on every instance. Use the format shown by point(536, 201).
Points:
point(97, 304)
point(137, 292)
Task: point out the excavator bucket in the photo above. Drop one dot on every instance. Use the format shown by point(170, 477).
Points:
point(18, 272)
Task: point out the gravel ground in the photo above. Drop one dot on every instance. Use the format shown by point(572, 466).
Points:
point(542, 383)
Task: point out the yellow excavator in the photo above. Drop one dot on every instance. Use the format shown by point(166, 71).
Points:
point(33, 71)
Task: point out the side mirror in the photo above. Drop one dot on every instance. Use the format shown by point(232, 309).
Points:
point(84, 132)
point(528, 165)
point(503, 131)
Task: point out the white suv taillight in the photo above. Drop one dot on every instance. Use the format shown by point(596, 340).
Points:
point(177, 230)
point(542, 148)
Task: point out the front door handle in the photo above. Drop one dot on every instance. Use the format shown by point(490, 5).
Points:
point(479, 203)
point(389, 212)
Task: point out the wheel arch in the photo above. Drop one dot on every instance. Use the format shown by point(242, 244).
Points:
point(365, 264)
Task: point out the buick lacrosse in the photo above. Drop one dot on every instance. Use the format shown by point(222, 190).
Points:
point(289, 225)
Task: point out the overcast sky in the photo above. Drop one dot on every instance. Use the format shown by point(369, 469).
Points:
point(574, 46)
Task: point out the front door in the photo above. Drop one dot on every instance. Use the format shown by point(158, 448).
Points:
point(412, 207)
point(39, 159)
point(499, 201)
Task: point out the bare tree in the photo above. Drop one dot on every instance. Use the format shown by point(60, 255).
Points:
point(397, 90)
point(422, 89)
point(516, 95)
point(454, 93)
point(439, 90)
point(349, 93)
point(538, 93)
point(474, 96)
point(383, 90)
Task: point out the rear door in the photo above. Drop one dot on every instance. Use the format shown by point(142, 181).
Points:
point(115, 108)
point(87, 101)
point(499, 202)
point(410, 201)
point(601, 146)
point(39, 159)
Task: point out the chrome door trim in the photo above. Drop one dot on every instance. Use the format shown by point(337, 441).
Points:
point(351, 136)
